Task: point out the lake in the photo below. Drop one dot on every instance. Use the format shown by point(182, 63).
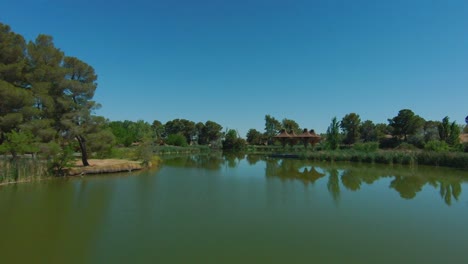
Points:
point(240, 209)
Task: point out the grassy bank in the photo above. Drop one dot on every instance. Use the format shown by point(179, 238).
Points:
point(402, 157)
point(445, 159)
point(167, 150)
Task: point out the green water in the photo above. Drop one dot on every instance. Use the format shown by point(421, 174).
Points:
point(240, 209)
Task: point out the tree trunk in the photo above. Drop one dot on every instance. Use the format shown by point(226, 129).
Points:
point(84, 153)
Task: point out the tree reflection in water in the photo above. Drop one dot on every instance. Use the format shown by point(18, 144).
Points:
point(407, 181)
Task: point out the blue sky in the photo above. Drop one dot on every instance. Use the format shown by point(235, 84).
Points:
point(233, 62)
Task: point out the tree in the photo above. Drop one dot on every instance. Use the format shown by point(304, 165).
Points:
point(74, 104)
point(368, 131)
point(272, 128)
point(431, 130)
point(16, 102)
point(454, 136)
point(210, 132)
point(158, 130)
point(444, 128)
point(18, 143)
point(254, 137)
point(46, 94)
point(177, 140)
point(181, 126)
point(291, 126)
point(449, 132)
point(350, 125)
point(406, 123)
point(199, 128)
point(333, 134)
point(232, 141)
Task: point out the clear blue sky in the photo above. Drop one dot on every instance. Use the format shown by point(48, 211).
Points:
point(233, 62)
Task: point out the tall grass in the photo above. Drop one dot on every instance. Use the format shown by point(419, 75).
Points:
point(445, 159)
point(22, 170)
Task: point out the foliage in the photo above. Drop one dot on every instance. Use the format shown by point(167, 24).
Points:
point(444, 128)
point(158, 131)
point(177, 140)
point(405, 146)
point(272, 128)
point(431, 130)
point(406, 123)
point(44, 92)
point(454, 136)
point(366, 147)
point(144, 151)
point(129, 132)
point(351, 126)
point(290, 125)
point(436, 145)
point(183, 127)
point(254, 137)
point(18, 143)
point(60, 158)
point(232, 141)
point(22, 170)
point(210, 132)
point(333, 134)
point(449, 132)
point(368, 131)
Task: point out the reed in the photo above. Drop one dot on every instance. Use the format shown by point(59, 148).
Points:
point(22, 170)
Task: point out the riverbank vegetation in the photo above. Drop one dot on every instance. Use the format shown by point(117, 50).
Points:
point(48, 120)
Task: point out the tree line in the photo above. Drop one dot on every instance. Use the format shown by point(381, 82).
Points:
point(47, 108)
point(405, 128)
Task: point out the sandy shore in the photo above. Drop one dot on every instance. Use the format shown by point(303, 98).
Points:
point(104, 166)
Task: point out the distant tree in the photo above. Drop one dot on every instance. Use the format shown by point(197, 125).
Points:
point(454, 136)
point(291, 126)
point(182, 126)
point(232, 141)
point(406, 123)
point(158, 130)
point(210, 133)
point(177, 140)
point(199, 128)
point(431, 131)
point(272, 128)
point(368, 131)
point(351, 125)
point(444, 128)
point(121, 131)
point(449, 132)
point(254, 137)
point(333, 134)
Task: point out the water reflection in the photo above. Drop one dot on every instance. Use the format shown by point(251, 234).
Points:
point(209, 161)
point(407, 181)
point(53, 205)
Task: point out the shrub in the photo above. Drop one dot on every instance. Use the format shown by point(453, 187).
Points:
point(436, 145)
point(177, 140)
point(366, 147)
point(406, 146)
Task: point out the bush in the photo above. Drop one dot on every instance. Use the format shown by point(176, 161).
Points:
point(387, 143)
point(177, 140)
point(436, 145)
point(406, 146)
point(366, 147)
